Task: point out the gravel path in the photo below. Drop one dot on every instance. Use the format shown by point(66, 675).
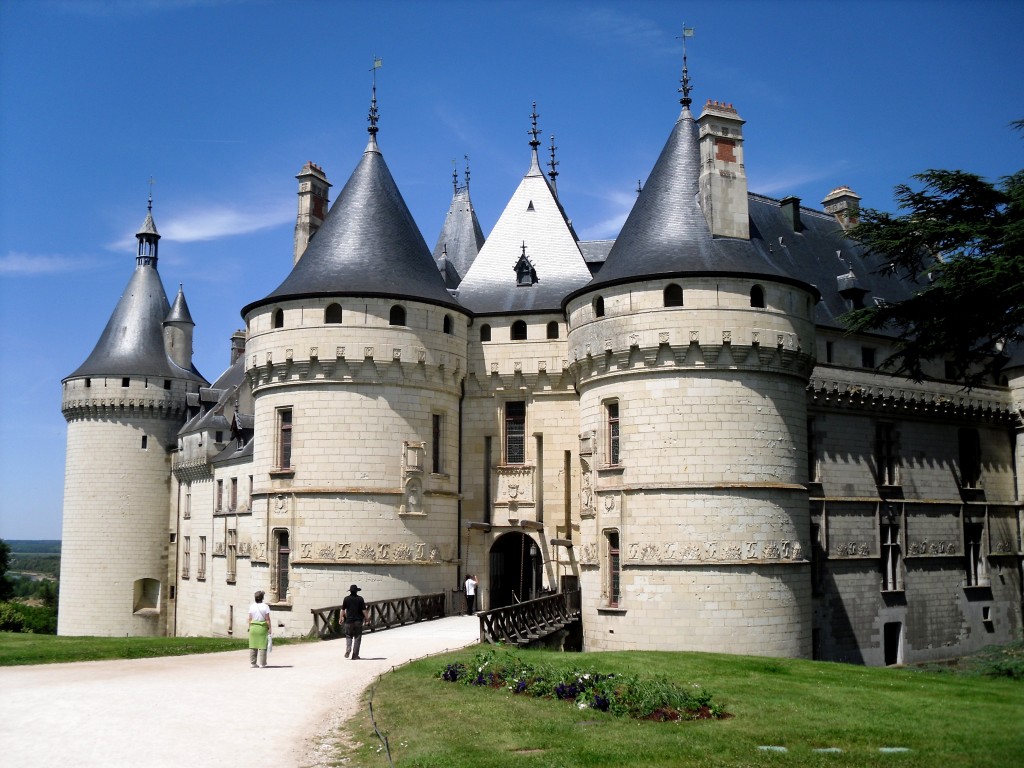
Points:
point(205, 710)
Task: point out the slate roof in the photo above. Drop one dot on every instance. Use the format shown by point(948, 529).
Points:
point(132, 344)
point(460, 239)
point(179, 310)
point(532, 216)
point(368, 245)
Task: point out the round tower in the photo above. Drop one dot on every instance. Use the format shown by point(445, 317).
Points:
point(691, 353)
point(124, 406)
point(356, 362)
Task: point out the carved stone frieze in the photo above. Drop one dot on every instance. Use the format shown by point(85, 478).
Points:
point(713, 551)
point(925, 547)
point(420, 553)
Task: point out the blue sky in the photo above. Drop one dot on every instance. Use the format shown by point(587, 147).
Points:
point(222, 101)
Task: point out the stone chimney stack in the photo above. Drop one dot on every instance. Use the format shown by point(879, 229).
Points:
point(313, 205)
point(237, 345)
point(844, 204)
point(723, 176)
point(791, 212)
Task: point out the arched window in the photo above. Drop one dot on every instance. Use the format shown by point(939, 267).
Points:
point(673, 295)
point(333, 313)
point(485, 332)
point(278, 318)
point(519, 330)
point(553, 329)
point(757, 296)
point(599, 306)
point(447, 325)
point(397, 315)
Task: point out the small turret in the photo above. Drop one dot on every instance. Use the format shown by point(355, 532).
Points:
point(178, 329)
point(844, 204)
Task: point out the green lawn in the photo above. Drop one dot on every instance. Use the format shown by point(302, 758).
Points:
point(942, 719)
point(17, 648)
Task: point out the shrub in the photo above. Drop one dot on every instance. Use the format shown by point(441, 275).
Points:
point(622, 695)
point(17, 617)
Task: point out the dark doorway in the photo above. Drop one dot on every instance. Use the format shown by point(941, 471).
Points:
point(515, 570)
point(893, 631)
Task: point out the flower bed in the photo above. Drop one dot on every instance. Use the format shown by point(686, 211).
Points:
point(622, 695)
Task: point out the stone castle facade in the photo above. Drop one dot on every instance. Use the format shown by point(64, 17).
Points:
point(675, 423)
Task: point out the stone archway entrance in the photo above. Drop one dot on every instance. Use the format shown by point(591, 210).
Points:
point(515, 574)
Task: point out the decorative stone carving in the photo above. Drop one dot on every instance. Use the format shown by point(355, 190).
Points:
point(727, 337)
point(755, 338)
point(542, 366)
point(586, 489)
point(340, 353)
point(663, 337)
point(288, 354)
point(609, 503)
point(926, 547)
point(588, 554)
point(517, 366)
point(713, 551)
point(396, 353)
point(368, 352)
point(634, 340)
point(421, 355)
point(314, 353)
point(412, 503)
point(607, 345)
point(281, 504)
point(494, 367)
point(515, 485)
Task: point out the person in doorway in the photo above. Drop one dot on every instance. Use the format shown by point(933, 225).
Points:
point(259, 631)
point(353, 613)
point(470, 587)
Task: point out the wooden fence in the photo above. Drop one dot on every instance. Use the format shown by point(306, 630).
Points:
point(381, 614)
point(526, 622)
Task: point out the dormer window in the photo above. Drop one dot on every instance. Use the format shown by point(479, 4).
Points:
point(526, 275)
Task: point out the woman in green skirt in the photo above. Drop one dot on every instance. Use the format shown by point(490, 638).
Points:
point(259, 631)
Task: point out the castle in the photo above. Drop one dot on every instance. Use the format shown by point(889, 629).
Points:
point(675, 422)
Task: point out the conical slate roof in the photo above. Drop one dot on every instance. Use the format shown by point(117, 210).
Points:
point(461, 237)
point(132, 344)
point(666, 233)
point(534, 218)
point(368, 245)
point(179, 310)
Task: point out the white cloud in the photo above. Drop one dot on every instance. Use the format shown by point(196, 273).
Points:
point(610, 225)
point(27, 264)
point(608, 24)
point(214, 223)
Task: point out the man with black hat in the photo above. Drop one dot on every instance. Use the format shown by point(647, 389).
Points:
point(353, 612)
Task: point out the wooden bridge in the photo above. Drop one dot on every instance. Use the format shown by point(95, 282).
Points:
point(530, 621)
point(381, 614)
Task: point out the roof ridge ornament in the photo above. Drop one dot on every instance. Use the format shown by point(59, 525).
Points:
point(685, 86)
point(467, 172)
point(374, 114)
point(553, 164)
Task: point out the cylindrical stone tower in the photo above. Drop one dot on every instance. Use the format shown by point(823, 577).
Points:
point(691, 357)
point(356, 362)
point(124, 406)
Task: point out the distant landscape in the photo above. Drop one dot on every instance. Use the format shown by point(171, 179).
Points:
point(30, 573)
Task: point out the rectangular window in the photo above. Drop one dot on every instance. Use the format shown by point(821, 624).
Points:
point(437, 423)
point(515, 432)
point(973, 536)
point(284, 438)
point(188, 501)
point(813, 474)
point(233, 498)
point(970, 458)
point(867, 357)
point(186, 556)
point(232, 554)
point(892, 574)
point(614, 568)
point(829, 350)
point(145, 442)
point(886, 454)
point(201, 570)
point(219, 504)
point(125, 381)
point(612, 410)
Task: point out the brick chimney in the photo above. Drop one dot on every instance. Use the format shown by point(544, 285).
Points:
point(844, 204)
point(723, 176)
point(313, 205)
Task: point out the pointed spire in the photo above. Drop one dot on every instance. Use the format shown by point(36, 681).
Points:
point(553, 164)
point(179, 309)
point(147, 236)
point(534, 142)
point(685, 86)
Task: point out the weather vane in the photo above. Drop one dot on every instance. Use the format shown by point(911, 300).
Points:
point(685, 86)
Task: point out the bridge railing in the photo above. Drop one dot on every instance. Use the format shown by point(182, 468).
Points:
point(381, 614)
point(525, 622)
